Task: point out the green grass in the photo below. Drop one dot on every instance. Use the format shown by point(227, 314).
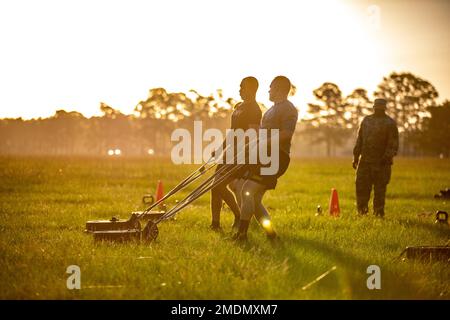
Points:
point(45, 202)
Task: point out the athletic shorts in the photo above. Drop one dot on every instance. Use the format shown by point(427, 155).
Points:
point(239, 173)
point(269, 181)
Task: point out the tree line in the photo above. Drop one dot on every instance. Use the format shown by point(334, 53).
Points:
point(331, 122)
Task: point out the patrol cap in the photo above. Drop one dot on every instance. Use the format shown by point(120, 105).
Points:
point(380, 104)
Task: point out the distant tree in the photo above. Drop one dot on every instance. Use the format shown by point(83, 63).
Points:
point(177, 106)
point(13, 133)
point(66, 131)
point(293, 91)
point(357, 106)
point(329, 121)
point(161, 104)
point(152, 106)
point(159, 114)
point(172, 109)
point(435, 137)
point(211, 106)
point(109, 112)
point(408, 98)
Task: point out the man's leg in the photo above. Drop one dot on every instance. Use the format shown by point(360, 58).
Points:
point(218, 194)
point(236, 186)
point(363, 187)
point(247, 209)
point(216, 207)
point(262, 215)
point(252, 193)
point(382, 178)
point(229, 199)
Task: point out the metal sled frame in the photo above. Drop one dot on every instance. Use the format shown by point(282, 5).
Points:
point(117, 224)
point(428, 253)
point(130, 230)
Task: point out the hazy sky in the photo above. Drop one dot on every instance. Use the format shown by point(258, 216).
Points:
point(71, 55)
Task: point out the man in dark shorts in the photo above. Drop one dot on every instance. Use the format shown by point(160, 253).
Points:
point(246, 115)
point(282, 116)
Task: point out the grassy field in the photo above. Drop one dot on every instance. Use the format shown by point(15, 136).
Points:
point(45, 202)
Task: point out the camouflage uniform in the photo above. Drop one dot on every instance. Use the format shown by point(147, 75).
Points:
point(376, 145)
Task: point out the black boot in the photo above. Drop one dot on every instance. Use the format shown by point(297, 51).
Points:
point(271, 234)
point(363, 211)
point(215, 225)
point(241, 235)
point(268, 228)
point(379, 212)
point(236, 223)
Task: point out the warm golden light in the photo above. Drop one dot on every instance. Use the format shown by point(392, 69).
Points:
point(266, 223)
point(77, 65)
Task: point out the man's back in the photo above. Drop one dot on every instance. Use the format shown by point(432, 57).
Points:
point(283, 116)
point(377, 139)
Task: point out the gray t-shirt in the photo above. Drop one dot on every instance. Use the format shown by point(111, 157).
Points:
point(283, 116)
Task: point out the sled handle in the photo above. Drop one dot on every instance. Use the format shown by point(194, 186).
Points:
point(148, 199)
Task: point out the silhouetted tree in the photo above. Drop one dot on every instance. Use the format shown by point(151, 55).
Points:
point(109, 112)
point(435, 137)
point(68, 130)
point(174, 109)
point(329, 122)
point(408, 98)
point(357, 106)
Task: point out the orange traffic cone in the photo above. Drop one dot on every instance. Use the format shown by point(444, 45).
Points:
point(334, 203)
point(159, 191)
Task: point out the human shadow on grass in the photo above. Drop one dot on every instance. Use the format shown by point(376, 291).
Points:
point(351, 270)
point(299, 273)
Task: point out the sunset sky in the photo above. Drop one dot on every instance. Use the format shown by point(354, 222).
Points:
point(73, 54)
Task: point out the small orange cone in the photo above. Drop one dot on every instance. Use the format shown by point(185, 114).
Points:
point(334, 203)
point(159, 191)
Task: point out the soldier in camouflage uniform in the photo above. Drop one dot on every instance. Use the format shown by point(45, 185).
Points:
point(376, 146)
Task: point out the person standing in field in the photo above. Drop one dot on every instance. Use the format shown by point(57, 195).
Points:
point(282, 116)
point(376, 145)
point(246, 115)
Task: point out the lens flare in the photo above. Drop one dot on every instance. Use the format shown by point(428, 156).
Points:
point(266, 223)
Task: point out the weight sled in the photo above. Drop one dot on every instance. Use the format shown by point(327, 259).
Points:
point(428, 253)
point(131, 229)
point(118, 235)
point(117, 224)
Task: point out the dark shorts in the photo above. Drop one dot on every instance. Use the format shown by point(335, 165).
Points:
point(239, 173)
point(269, 181)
